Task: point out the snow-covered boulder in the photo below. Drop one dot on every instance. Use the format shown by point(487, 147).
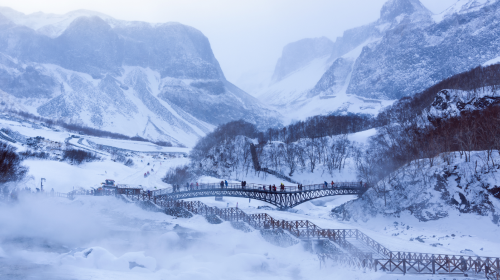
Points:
point(100, 258)
point(450, 103)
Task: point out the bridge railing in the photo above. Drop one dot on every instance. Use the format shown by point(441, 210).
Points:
point(259, 187)
point(373, 244)
point(398, 262)
point(440, 264)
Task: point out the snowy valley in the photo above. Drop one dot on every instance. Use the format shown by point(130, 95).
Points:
point(125, 153)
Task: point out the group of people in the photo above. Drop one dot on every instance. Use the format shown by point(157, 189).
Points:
point(14, 193)
point(223, 183)
point(361, 185)
point(272, 188)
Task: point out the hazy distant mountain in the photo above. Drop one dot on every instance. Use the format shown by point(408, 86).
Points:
point(407, 50)
point(298, 54)
point(159, 81)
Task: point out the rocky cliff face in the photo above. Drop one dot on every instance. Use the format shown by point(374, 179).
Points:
point(159, 81)
point(418, 50)
point(404, 52)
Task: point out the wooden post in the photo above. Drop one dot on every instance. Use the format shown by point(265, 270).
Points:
point(404, 266)
point(433, 264)
point(498, 265)
point(486, 268)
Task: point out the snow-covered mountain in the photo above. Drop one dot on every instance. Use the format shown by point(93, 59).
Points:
point(404, 52)
point(158, 81)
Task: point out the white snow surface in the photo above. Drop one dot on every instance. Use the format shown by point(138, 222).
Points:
point(63, 177)
point(296, 84)
point(493, 61)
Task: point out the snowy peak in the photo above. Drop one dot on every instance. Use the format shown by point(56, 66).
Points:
point(298, 54)
point(395, 8)
point(463, 7)
point(89, 25)
point(94, 41)
point(51, 25)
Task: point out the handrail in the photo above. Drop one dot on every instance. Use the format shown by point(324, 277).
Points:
point(261, 187)
point(299, 228)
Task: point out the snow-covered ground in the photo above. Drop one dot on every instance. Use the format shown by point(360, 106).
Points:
point(63, 177)
point(106, 238)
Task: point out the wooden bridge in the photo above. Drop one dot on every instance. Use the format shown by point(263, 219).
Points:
point(288, 197)
point(352, 247)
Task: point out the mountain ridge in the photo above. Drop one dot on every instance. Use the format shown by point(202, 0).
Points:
point(136, 79)
point(405, 51)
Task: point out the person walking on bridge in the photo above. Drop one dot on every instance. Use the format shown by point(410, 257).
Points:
point(225, 182)
point(326, 185)
point(333, 184)
point(221, 184)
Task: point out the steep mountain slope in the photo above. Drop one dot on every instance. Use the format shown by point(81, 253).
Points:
point(159, 81)
point(412, 57)
point(298, 54)
point(404, 52)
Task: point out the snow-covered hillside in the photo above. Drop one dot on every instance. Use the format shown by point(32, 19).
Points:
point(62, 176)
point(157, 81)
point(433, 189)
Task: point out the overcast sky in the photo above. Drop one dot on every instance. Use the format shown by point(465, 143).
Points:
point(247, 36)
